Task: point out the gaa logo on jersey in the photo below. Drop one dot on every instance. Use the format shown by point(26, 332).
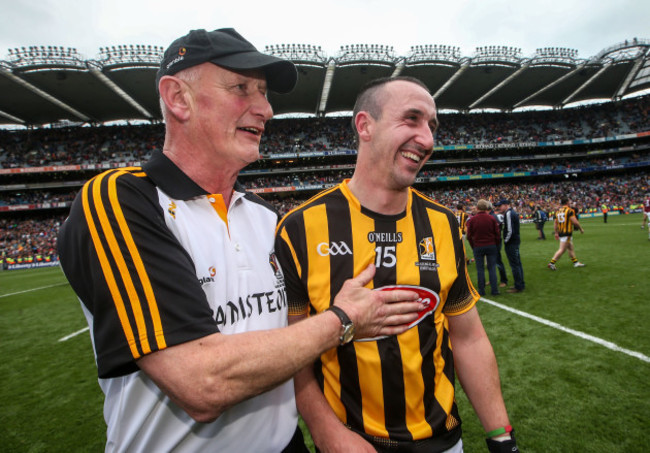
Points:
point(333, 249)
point(428, 298)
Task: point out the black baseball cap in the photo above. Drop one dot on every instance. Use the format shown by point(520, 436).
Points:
point(502, 201)
point(228, 49)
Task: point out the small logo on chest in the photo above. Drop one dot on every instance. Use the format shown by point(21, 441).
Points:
point(212, 271)
point(427, 251)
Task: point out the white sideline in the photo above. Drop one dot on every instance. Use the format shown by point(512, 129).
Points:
point(67, 337)
point(33, 289)
point(577, 333)
point(74, 334)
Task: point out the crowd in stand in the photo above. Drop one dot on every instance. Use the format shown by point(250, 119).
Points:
point(36, 197)
point(618, 192)
point(31, 240)
point(327, 178)
point(79, 145)
point(606, 120)
point(135, 143)
point(308, 179)
point(35, 240)
point(622, 193)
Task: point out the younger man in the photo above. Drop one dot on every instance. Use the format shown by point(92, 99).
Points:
point(392, 393)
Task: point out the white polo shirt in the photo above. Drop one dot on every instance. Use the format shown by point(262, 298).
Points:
point(156, 262)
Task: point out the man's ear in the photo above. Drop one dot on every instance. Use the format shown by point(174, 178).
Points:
point(364, 124)
point(175, 94)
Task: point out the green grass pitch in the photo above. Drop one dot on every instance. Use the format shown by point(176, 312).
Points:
point(564, 392)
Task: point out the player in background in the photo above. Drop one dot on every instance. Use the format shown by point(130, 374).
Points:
point(563, 226)
point(462, 216)
point(646, 213)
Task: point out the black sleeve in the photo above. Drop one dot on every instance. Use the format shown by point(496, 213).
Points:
point(130, 272)
point(287, 249)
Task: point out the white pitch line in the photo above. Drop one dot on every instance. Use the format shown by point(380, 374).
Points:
point(577, 333)
point(74, 334)
point(33, 289)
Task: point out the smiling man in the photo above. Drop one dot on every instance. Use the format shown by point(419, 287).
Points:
point(174, 265)
point(391, 393)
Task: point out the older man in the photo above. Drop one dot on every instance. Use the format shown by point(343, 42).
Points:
point(484, 235)
point(175, 268)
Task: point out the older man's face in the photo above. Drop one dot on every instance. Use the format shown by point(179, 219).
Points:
point(230, 112)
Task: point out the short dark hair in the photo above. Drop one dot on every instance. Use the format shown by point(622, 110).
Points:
point(367, 100)
point(564, 200)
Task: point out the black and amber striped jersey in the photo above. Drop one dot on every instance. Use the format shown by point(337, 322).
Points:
point(564, 225)
point(461, 217)
point(399, 387)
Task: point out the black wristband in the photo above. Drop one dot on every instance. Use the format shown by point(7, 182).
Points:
point(507, 446)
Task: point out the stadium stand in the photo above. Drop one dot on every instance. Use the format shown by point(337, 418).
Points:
point(597, 154)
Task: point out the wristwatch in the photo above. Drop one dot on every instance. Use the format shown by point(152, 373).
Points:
point(347, 326)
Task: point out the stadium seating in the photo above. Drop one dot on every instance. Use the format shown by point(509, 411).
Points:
point(596, 154)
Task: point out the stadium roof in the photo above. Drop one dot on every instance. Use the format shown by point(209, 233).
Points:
point(44, 85)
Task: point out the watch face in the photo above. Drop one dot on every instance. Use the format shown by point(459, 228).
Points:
point(348, 333)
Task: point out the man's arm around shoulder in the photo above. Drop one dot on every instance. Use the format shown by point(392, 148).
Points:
point(208, 375)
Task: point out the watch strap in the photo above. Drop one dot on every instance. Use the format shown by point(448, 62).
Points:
point(345, 319)
point(347, 326)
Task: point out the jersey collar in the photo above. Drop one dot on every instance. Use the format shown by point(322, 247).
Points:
point(171, 179)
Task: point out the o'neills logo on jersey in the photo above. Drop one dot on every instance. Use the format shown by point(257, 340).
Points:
point(172, 209)
point(430, 300)
point(334, 248)
point(375, 236)
point(427, 250)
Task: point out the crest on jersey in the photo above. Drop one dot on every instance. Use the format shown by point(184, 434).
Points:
point(430, 299)
point(273, 261)
point(427, 251)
